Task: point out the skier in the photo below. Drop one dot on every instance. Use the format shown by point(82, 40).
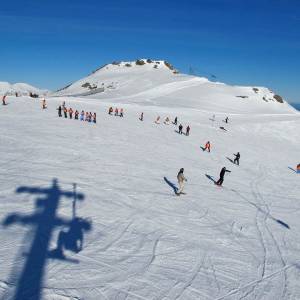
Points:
point(187, 132)
point(298, 168)
point(175, 121)
point(207, 146)
point(222, 173)
point(110, 110)
point(116, 112)
point(167, 121)
point(157, 120)
point(76, 114)
point(237, 158)
point(59, 111)
point(180, 129)
point(3, 100)
point(121, 113)
point(181, 179)
point(82, 115)
point(44, 105)
point(142, 117)
point(87, 115)
point(226, 120)
point(90, 117)
point(94, 118)
point(70, 112)
point(65, 112)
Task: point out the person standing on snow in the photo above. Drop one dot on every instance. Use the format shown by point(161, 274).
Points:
point(3, 100)
point(237, 158)
point(187, 132)
point(44, 105)
point(298, 168)
point(121, 113)
point(226, 120)
point(71, 112)
point(175, 121)
point(59, 111)
point(76, 114)
point(222, 174)
point(142, 117)
point(110, 111)
point(116, 112)
point(181, 179)
point(207, 146)
point(82, 115)
point(180, 129)
point(65, 112)
point(94, 118)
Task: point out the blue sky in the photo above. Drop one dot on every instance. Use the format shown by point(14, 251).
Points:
point(52, 43)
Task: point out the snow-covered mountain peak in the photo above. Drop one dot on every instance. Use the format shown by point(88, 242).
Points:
point(22, 89)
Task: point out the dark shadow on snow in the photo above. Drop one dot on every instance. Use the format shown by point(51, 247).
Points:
point(202, 148)
point(210, 178)
point(171, 184)
point(292, 169)
point(43, 222)
point(231, 160)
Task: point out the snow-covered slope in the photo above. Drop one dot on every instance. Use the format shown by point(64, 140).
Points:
point(107, 186)
point(23, 89)
point(158, 83)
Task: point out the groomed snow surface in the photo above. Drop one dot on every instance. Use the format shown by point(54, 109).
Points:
point(87, 214)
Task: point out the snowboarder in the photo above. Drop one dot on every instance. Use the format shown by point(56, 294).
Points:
point(110, 110)
point(71, 112)
point(3, 100)
point(157, 120)
point(142, 117)
point(237, 158)
point(175, 121)
point(94, 117)
point(121, 113)
point(298, 168)
point(187, 132)
point(82, 115)
point(181, 179)
point(222, 174)
point(59, 111)
point(65, 112)
point(180, 129)
point(76, 114)
point(116, 112)
point(44, 104)
point(207, 146)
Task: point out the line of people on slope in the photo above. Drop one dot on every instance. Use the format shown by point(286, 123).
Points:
point(168, 122)
point(118, 112)
point(82, 116)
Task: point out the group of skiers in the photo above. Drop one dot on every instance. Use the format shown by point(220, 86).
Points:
point(118, 112)
point(82, 116)
point(187, 130)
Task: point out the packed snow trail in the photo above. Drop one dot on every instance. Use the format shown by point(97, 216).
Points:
point(145, 242)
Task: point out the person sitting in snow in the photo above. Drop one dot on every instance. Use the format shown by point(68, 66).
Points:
point(167, 121)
